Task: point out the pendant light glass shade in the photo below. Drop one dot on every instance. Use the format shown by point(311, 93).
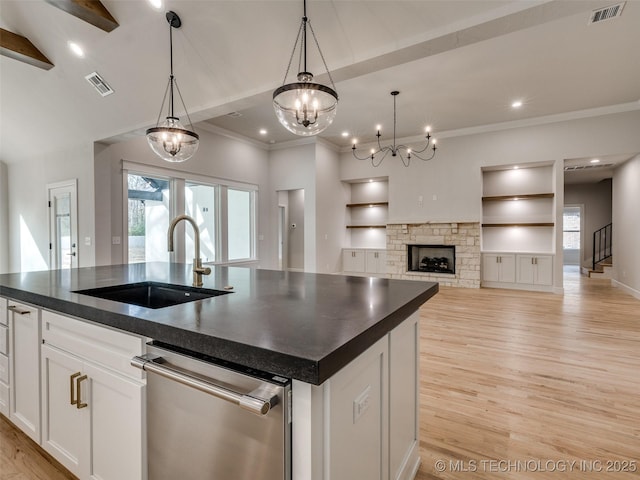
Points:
point(304, 107)
point(170, 140)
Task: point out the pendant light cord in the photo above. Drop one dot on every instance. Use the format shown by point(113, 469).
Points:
point(171, 69)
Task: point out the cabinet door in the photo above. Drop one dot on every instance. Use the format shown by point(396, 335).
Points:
point(490, 268)
point(353, 260)
point(371, 261)
point(507, 268)
point(544, 270)
point(63, 424)
point(526, 269)
point(115, 445)
point(24, 376)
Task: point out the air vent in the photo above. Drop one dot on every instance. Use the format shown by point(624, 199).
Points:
point(234, 114)
point(573, 168)
point(99, 84)
point(606, 13)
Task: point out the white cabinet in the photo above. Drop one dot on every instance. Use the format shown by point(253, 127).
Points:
point(498, 267)
point(535, 269)
point(4, 359)
point(376, 261)
point(353, 260)
point(363, 422)
point(364, 260)
point(24, 373)
point(93, 418)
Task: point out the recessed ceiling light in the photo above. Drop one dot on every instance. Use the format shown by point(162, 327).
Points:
point(345, 134)
point(516, 167)
point(595, 160)
point(157, 4)
point(516, 104)
point(76, 49)
point(263, 131)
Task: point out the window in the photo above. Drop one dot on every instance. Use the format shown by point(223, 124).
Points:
point(240, 224)
point(224, 214)
point(571, 228)
point(148, 218)
point(200, 203)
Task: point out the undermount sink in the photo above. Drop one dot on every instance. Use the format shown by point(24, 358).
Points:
point(151, 294)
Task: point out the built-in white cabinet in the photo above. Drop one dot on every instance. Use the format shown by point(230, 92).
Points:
point(93, 420)
point(4, 358)
point(535, 269)
point(353, 260)
point(526, 271)
point(376, 262)
point(24, 372)
point(364, 261)
point(518, 226)
point(499, 267)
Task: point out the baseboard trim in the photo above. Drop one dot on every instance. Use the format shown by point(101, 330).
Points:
point(632, 291)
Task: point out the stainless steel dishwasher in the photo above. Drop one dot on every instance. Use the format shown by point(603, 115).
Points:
point(209, 421)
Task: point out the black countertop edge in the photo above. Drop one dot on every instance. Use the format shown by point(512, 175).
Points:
point(306, 370)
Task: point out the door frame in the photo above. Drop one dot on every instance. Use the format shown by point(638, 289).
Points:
point(71, 185)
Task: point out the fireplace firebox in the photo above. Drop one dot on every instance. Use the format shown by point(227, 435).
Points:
point(431, 258)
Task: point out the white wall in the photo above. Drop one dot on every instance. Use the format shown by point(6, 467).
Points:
point(596, 199)
point(626, 226)
point(4, 220)
point(453, 178)
point(293, 168)
point(331, 197)
point(218, 157)
point(28, 210)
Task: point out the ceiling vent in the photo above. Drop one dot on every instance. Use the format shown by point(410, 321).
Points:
point(606, 13)
point(573, 168)
point(99, 84)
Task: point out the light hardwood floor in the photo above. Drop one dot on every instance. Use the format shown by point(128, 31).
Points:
point(514, 384)
point(519, 384)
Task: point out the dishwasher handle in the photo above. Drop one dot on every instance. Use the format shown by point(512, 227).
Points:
point(153, 364)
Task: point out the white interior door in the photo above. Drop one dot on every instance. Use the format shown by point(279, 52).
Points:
point(63, 225)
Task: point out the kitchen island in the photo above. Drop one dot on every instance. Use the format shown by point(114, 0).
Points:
point(324, 332)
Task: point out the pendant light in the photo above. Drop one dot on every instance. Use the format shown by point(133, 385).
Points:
point(171, 141)
point(305, 107)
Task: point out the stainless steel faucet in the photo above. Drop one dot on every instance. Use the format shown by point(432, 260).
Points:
point(198, 271)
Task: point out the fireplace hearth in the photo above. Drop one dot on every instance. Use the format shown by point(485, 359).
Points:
point(431, 258)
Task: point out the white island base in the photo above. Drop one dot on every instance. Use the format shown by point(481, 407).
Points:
point(362, 423)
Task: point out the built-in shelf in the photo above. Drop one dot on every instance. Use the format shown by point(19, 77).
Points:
point(366, 226)
point(529, 196)
point(369, 204)
point(519, 224)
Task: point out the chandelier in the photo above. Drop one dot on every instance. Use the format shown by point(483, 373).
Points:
point(171, 141)
point(305, 107)
point(377, 156)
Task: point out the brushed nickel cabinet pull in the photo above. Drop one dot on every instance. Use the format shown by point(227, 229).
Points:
point(80, 404)
point(74, 401)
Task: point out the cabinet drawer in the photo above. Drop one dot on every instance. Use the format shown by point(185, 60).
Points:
point(4, 399)
point(3, 311)
point(4, 369)
point(103, 345)
point(4, 339)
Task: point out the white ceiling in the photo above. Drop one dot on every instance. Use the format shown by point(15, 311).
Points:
point(457, 64)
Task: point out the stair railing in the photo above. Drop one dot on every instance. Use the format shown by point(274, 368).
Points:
point(601, 244)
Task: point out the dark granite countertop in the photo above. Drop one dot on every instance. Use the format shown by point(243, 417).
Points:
point(299, 325)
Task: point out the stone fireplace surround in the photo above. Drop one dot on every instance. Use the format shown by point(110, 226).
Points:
point(465, 237)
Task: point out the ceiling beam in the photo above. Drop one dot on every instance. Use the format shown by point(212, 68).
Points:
point(20, 48)
point(91, 11)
